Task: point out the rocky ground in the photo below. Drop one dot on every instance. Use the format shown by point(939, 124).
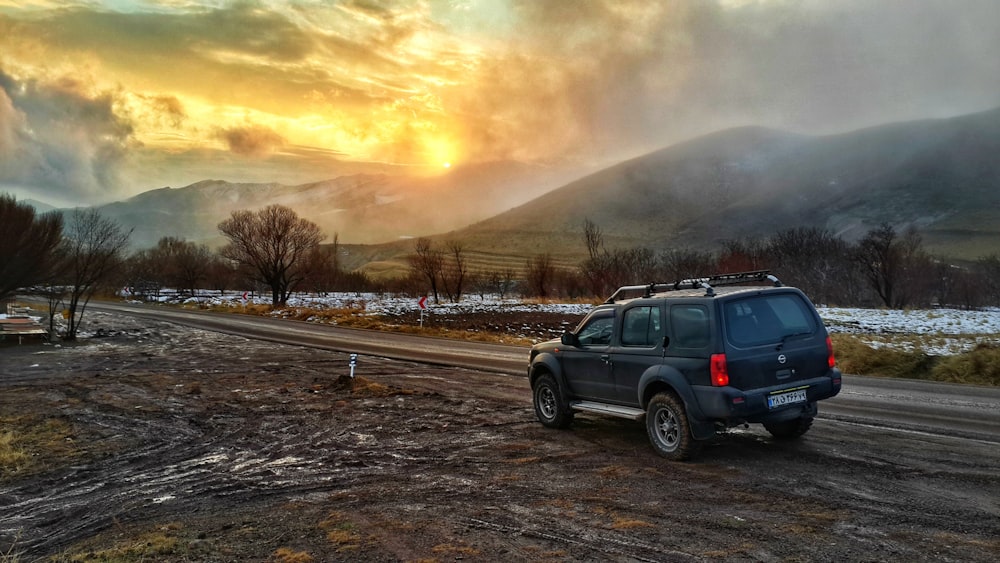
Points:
point(184, 445)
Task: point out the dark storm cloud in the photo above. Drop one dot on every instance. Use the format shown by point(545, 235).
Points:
point(252, 140)
point(56, 139)
point(613, 74)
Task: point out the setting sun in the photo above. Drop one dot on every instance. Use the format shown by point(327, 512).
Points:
point(446, 165)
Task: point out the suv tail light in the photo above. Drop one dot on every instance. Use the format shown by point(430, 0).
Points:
point(830, 360)
point(720, 372)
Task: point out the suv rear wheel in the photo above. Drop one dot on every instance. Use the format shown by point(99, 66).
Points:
point(668, 428)
point(549, 406)
point(789, 429)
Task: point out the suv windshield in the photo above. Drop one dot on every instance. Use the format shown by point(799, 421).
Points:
point(765, 319)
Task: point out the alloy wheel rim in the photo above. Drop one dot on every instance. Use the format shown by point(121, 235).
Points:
point(667, 428)
point(547, 402)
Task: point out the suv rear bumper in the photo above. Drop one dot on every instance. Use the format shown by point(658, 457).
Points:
point(726, 403)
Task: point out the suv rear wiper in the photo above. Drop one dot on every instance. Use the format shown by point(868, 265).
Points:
point(787, 336)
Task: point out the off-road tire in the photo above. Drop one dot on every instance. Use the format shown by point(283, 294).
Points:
point(789, 429)
point(668, 428)
point(550, 408)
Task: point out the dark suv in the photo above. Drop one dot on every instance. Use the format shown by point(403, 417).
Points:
point(692, 357)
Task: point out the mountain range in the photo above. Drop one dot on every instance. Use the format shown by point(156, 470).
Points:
point(940, 175)
point(359, 209)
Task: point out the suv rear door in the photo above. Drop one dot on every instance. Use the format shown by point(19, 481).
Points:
point(773, 338)
point(639, 346)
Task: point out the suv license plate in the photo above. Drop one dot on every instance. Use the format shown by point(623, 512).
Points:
point(780, 400)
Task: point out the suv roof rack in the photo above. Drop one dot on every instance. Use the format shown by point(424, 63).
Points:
point(708, 283)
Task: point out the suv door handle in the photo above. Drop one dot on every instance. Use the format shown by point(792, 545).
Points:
point(606, 358)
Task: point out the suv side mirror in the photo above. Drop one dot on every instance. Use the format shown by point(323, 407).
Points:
point(569, 339)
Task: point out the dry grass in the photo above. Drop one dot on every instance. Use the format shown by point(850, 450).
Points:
point(621, 523)
point(286, 555)
point(340, 532)
point(31, 444)
point(858, 358)
point(980, 366)
point(13, 458)
point(150, 546)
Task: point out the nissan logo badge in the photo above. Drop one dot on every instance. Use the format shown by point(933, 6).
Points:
point(781, 358)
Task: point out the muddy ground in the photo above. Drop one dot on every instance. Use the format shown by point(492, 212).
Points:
point(184, 445)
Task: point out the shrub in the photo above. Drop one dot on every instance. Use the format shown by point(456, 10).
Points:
point(857, 358)
point(980, 366)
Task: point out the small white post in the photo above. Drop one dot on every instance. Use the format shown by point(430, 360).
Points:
point(354, 362)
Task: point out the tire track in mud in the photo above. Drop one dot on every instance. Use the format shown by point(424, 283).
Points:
point(218, 432)
point(281, 442)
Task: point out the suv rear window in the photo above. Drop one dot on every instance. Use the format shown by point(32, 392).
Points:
point(765, 319)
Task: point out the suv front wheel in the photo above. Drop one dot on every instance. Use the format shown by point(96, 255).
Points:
point(549, 406)
point(668, 428)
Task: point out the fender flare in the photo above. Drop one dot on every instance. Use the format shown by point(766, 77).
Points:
point(665, 376)
point(548, 363)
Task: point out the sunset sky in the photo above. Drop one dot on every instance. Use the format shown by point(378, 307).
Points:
point(103, 99)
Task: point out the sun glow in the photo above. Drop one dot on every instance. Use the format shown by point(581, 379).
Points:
point(440, 149)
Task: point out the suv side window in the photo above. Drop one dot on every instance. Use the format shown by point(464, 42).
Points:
point(597, 331)
point(689, 326)
point(642, 326)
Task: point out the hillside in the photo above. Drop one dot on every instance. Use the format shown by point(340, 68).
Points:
point(362, 208)
point(940, 175)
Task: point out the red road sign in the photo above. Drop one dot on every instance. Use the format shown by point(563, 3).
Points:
point(423, 302)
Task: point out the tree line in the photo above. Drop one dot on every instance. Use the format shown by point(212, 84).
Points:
point(885, 268)
point(67, 260)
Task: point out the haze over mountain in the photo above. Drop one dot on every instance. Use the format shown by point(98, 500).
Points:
point(941, 175)
point(360, 208)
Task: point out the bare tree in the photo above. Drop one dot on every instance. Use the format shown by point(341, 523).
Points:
point(144, 274)
point(498, 282)
point(815, 261)
point(221, 273)
point(741, 255)
point(539, 272)
point(895, 267)
point(272, 243)
point(593, 237)
point(989, 271)
point(598, 268)
point(184, 264)
point(94, 252)
point(428, 263)
point(454, 270)
point(28, 245)
point(683, 263)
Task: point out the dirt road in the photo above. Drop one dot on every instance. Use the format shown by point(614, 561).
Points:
point(186, 445)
